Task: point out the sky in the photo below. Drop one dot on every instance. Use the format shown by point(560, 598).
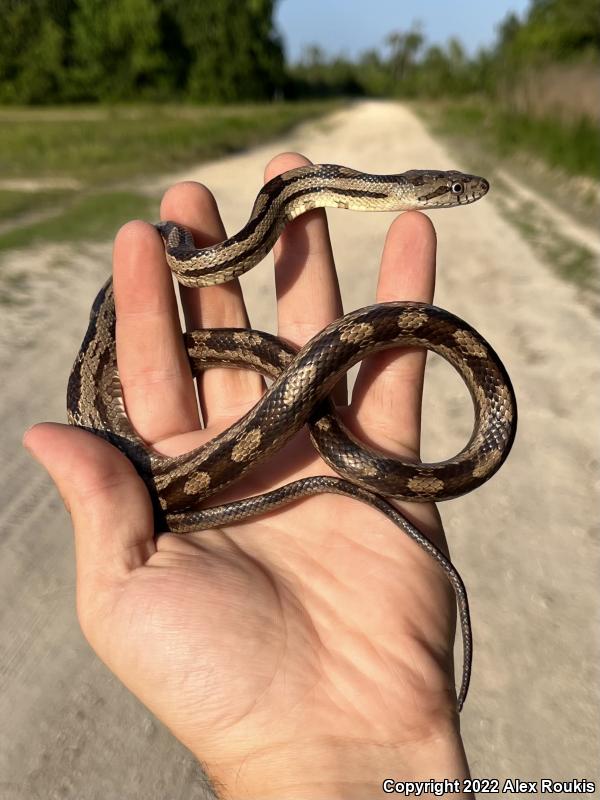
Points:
point(351, 26)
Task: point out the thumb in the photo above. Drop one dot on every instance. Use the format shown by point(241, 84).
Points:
point(108, 502)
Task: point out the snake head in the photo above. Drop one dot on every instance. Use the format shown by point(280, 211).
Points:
point(445, 189)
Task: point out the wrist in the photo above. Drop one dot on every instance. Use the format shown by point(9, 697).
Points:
point(333, 769)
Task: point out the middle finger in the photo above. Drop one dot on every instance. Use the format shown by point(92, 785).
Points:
point(308, 293)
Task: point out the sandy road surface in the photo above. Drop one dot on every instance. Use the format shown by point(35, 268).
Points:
point(526, 543)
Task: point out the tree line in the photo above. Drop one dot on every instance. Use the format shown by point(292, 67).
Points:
point(551, 31)
point(66, 51)
point(219, 51)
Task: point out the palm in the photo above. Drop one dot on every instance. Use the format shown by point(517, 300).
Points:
point(279, 621)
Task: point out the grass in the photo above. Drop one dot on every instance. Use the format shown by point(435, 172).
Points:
point(103, 145)
point(547, 156)
point(106, 149)
point(86, 217)
point(570, 260)
point(17, 203)
point(573, 147)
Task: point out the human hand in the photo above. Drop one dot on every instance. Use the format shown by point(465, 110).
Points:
point(307, 653)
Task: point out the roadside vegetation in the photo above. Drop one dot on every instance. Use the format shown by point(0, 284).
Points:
point(105, 153)
point(570, 145)
point(106, 144)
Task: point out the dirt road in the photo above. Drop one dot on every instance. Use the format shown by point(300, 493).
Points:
point(526, 543)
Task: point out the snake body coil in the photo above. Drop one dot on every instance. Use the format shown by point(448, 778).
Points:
point(302, 381)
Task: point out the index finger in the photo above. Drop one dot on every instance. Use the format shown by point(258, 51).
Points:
point(154, 370)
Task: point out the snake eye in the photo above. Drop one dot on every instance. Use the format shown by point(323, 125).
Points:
point(457, 188)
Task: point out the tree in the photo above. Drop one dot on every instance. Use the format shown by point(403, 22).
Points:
point(404, 48)
point(116, 50)
point(374, 74)
point(234, 50)
point(33, 49)
point(552, 29)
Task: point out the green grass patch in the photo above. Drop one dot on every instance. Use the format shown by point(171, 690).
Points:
point(87, 217)
point(570, 260)
point(17, 203)
point(572, 147)
point(470, 130)
point(101, 145)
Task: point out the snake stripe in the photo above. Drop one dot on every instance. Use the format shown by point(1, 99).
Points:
point(315, 186)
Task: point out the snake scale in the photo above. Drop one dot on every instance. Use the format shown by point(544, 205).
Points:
point(302, 381)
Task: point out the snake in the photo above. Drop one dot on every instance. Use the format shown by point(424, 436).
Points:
point(301, 380)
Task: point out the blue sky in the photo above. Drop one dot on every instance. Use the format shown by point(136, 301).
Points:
point(350, 26)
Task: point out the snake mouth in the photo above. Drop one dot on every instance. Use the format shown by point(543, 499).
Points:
point(473, 193)
point(467, 199)
point(477, 189)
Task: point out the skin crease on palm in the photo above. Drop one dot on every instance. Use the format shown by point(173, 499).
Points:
point(307, 653)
